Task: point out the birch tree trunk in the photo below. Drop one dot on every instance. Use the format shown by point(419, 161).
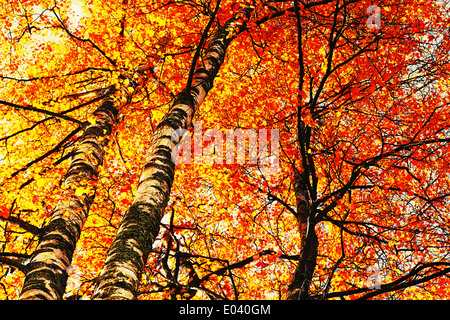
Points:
point(129, 251)
point(46, 274)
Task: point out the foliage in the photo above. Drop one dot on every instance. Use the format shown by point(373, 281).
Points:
point(362, 115)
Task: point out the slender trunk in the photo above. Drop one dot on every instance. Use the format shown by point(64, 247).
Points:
point(129, 251)
point(46, 274)
point(301, 281)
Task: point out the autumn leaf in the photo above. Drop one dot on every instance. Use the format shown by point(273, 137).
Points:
point(349, 124)
point(4, 211)
point(40, 182)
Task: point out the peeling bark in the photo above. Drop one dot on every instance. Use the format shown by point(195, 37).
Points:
point(129, 251)
point(46, 274)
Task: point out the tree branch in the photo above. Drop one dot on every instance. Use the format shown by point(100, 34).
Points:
point(63, 26)
point(23, 224)
point(13, 263)
point(200, 46)
point(398, 284)
point(55, 149)
point(47, 112)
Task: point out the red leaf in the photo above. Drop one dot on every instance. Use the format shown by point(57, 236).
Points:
point(261, 264)
point(355, 91)
point(4, 212)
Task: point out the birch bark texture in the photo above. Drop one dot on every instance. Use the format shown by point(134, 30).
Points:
point(127, 255)
point(46, 274)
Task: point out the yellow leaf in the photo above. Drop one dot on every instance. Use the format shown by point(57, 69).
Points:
point(91, 119)
point(79, 191)
point(40, 182)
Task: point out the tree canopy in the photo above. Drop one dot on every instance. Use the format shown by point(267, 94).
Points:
point(193, 149)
